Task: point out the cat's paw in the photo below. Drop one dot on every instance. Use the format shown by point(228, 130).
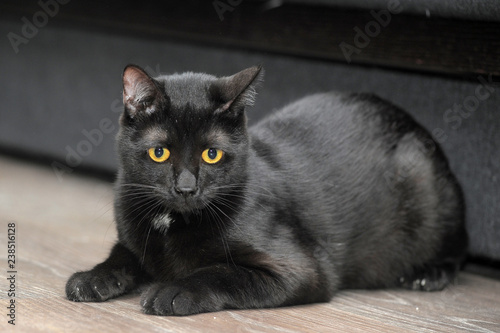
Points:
point(434, 278)
point(171, 300)
point(94, 286)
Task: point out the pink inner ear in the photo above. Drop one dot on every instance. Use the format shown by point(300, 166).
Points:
point(226, 106)
point(132, 77)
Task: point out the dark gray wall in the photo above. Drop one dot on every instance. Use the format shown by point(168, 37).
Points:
point(64, 82)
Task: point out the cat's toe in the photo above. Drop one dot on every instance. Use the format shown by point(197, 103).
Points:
point(184, 304)
point(434, 278)
point(149, 299)
point(82, 287)
point(92, 287)
point(165, 300)
point(157, 300)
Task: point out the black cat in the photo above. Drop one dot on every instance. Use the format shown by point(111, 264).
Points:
point(334, 191)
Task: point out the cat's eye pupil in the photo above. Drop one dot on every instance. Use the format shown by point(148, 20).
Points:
point(158, 152)
point(212, 153)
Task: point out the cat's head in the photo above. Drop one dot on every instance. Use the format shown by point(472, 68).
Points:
point(183, 137)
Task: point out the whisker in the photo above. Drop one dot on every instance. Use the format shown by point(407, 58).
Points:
point(219, 224)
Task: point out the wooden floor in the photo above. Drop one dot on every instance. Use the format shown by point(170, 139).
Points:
point(64, 225)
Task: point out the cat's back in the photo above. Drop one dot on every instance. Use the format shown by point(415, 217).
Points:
point(334, 125)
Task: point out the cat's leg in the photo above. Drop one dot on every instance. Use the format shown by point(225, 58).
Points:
point(117, 275)
point(227, 286)
point(441, 271)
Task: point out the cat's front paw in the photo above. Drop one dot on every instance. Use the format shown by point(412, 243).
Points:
point(171, 300)
point(92, 286)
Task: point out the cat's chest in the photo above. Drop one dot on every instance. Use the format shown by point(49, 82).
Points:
point(174, 255)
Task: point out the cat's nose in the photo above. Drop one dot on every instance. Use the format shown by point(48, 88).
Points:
point(186, 184)
point(186, 191)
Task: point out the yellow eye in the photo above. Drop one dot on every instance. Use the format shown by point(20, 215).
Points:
point(212, 155)
point(159, 154)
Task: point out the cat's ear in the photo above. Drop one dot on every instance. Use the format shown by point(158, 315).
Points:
point(140, 92)
point(236, 92)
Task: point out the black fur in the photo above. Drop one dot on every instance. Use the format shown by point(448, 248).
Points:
point(334, 191)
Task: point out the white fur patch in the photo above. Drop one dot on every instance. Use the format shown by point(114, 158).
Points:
point(162, 222)
point(150, 110)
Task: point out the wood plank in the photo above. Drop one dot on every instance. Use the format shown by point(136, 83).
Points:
point(67, 226)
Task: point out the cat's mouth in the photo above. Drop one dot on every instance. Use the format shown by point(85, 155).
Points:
point(188, 205)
